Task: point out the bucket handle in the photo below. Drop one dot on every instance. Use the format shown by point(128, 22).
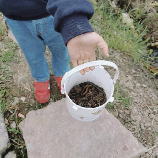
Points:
point(89, 64)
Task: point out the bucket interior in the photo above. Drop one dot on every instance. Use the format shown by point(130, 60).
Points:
point(99, 76)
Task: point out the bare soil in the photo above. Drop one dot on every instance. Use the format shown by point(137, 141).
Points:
point(141, 117)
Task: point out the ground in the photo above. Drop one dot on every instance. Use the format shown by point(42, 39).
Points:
point(135, 105)
point(136, 99)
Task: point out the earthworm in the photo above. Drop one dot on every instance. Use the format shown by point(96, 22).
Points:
point(85, 90)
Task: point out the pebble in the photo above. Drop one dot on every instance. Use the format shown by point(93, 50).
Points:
point(22, 99)
point(16, 100)
point(142, 126)
point(4, 139)
point(137, 85)
point(120, 111)
point(120, 116)
point(148, 124)
point(133, 71)
point(13, 124)
point(144, 86)
point(141, 94)
point(152, 116)
point(127, 112)
point(130, 78)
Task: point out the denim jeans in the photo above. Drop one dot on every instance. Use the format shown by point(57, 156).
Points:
point(33, 37)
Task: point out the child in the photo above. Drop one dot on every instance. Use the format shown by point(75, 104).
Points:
point(57, 24)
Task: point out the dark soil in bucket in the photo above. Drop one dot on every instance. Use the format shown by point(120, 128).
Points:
point(88, 95)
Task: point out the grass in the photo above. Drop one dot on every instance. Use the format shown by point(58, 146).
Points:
point(16, 140)
point(7, 55)
point(7, 58)
point(2, 31)
point(118, 35)
point(121, 98)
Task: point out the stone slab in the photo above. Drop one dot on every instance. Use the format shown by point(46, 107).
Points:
point(3, 135)
point(52, 133)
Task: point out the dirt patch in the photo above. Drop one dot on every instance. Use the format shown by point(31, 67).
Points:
point(141, 116)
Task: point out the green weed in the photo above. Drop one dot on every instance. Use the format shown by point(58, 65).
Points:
point(13, 130)
point(2, 31)
point(5, 96)
point(121, 97)
point(7, 56)
point(111, 106)
point(118, 35)
point(17, 140)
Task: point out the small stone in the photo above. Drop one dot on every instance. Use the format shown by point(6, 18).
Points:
point(133, 71)
point(11, 155)
point(147, 124)
point(156, 128)
point(22, 99)
point(137, 85)
point(6, 122)
point(3, 135)
point(120, 111)
point(120, 116)
point(134, 111)
point(129, 78)
point(144, 86)
point(127, 112)
point(32, 101)
point(16, 100)
point(13, 124)
point(142, 126)
point(152, 116)
point(141, 94)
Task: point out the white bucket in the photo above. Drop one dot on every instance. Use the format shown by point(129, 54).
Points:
point(98, 76)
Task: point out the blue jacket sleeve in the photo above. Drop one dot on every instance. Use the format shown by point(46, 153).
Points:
point(71, 17)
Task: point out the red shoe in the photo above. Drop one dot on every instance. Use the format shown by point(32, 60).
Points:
point(58, 80)
point(42, 91)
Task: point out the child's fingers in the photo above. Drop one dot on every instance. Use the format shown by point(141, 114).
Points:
point(103, 46)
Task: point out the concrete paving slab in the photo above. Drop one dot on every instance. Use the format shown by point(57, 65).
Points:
point(4, 139)
point(52, 133)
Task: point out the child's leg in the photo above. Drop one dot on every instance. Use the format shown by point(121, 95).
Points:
point(32, 46)
point(54, 40)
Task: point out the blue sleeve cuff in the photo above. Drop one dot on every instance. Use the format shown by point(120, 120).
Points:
point(74, 25)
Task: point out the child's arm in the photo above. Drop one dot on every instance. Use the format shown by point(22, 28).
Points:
point(71, 19)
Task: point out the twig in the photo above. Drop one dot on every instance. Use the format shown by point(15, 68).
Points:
point(151, 148)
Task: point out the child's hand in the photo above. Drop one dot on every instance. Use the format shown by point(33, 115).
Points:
point(82, 49)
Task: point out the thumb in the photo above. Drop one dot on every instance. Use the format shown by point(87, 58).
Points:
point(103, 46)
